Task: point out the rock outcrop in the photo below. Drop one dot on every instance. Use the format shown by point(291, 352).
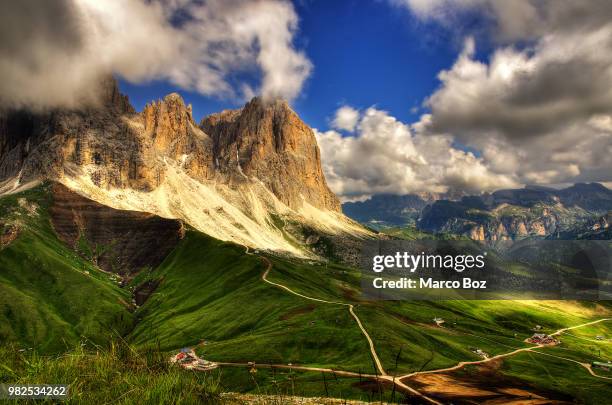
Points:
point(268, 141)
point(118, 241)
point(263, 141)
point(53, 143)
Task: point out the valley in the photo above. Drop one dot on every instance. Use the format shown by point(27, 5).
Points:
point(292, 319)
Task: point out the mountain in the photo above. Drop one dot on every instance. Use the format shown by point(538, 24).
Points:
point(520, 213)
point(386, 210)
point(270, 142)
point(573, 212)
point(382, 211)
point(596, 228)
point(252, 176)
point(590, 196)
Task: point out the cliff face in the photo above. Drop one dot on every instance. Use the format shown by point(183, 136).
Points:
point(120, 148)
point(268, 141)
point(501, 228)
point(170, 132)
point(228, 177)
point(50, 144)
point(118, 241)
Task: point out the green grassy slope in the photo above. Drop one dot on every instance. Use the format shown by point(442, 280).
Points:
point(558, 375)
point(240, 318)
point(493, 326)
point(211, 291)
point(211, 295)
point(50, 298)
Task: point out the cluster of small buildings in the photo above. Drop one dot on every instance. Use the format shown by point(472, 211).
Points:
point(542, 339)
point(189, 360)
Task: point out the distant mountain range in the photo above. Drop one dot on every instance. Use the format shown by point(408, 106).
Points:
point(581, 210)
point(387, 210)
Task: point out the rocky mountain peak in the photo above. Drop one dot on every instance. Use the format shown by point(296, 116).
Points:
point(229, 177)
point(267, 140)
point(261, 103)
point(587, 188)
point(174, 97)
point(167, 121)
point(112, 98)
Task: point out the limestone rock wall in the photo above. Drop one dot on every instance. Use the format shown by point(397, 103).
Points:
point(118, 148)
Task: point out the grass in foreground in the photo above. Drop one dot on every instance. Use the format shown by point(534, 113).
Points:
point(126, 375)
point(120, 373)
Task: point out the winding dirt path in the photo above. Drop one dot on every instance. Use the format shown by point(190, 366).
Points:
point(560, 331)
point(465, 363)
point(512, 353)
point(585, 365)
point(383, 376)
point(351, 308)
point(342, 373)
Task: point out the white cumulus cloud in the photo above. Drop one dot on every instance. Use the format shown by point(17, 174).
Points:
point(538, 107)
point(346, 118)
point(55, 52)
point(385, 156)
point(515, 19)
point(540, 113)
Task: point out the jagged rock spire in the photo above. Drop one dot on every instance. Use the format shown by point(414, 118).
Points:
point(268, 141)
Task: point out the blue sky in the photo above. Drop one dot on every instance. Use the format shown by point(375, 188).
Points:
point(519, 92)
point(509, 102)
point(364, 53)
